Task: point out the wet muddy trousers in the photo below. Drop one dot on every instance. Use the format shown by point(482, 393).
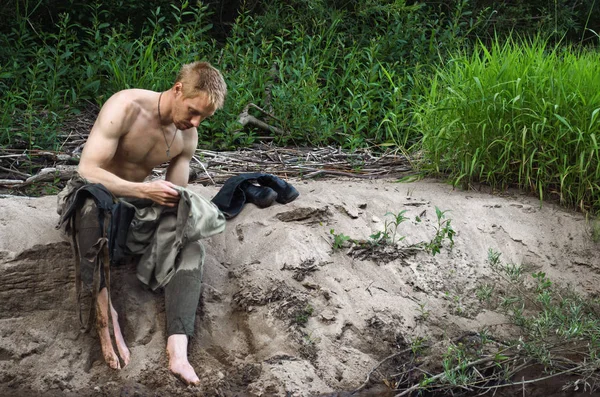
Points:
point(182, 292)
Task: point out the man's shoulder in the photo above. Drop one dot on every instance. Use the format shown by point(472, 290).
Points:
point(132, 95)
point(130, 102)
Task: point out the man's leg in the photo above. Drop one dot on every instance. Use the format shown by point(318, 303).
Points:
point(182, 295)
point(104, 333)
point(88, 234)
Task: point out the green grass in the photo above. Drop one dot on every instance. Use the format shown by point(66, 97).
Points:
point(555, 322)
point(521, 114)
point(557, 334)
point(327, 79)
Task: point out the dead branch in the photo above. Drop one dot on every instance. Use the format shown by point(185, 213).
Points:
point(443, 374)
point(453, 340)
point(246, 119)
point(315, 173)
point(265, 112)
point(15, 172)
point(204, 168)
point(366, 382)
point(10, 182)
point(304, 163)
point(523, 382)
point(211, 167)
point(63, 173)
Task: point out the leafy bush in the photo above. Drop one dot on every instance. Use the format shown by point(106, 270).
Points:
point(336, 82)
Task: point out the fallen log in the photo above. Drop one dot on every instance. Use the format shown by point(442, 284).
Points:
point(246, 119)
point(60, 172)
point(10, 182)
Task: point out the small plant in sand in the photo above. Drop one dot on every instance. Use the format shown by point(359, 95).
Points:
point(417, 345)
point(397, 219)
point(511, 270)
point(457, 370)
point(303, 315)
point(594, 230)
point(390, 230)
point(339, 239)
point(484, 293)
point(443, 231)
point(309, 339)
point(423, 312)
point(457, 305)
point(493, 258)
point(381, 237)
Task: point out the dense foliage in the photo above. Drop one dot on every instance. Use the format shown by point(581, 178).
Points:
point(450, 78)
point(522, 113)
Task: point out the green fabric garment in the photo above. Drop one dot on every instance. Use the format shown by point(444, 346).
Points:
point(161, 234)
point(166, 240)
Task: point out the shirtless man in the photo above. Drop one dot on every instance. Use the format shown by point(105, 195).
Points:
point(137, 130)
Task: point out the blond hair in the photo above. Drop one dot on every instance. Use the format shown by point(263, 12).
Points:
point(199, 77)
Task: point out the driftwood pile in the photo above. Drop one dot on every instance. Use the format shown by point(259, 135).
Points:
point(18, 170)
point(298, 162)
point(23, 168)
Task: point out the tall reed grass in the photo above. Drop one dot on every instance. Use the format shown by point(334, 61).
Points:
point(521, 113)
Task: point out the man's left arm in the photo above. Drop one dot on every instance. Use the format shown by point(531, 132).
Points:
point(178, 171)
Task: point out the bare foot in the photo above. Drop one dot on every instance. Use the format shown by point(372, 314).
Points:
point(178, 361)
point(119, 340)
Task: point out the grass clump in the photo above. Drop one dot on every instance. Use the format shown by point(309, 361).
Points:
point(387, 243)
point(560, 329)
point(519, 114)
point(558, 336)
point(302, 315)
point(593, 229)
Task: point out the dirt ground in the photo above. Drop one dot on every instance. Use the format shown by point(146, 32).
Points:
point(283, 313)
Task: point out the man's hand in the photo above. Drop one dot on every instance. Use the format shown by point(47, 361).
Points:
point(161, 192)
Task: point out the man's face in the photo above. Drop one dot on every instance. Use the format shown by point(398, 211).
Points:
point(189, 112)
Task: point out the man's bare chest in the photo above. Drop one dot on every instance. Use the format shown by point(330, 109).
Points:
point(149, 147)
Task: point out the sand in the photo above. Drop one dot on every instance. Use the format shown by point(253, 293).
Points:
point(282, 312)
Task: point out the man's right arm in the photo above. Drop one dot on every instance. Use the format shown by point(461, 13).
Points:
point(113, 122)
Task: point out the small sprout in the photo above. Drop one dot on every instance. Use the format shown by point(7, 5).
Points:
point(484, 293)
point(423, 313)
point(513, 271)
point(338, 239)
point(493, 257)
point(443, 231)
point(303, 315)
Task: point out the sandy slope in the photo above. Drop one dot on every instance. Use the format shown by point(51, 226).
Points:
point(269, 272)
